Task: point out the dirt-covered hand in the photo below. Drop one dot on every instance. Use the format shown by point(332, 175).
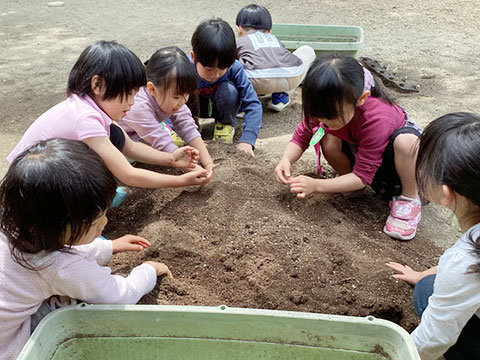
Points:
point(302, 186)
point(405, 273)
point(160, 268)
point(195, 177)
point(246, 148)
point(209, 169)
point(129, 243)
point(283, 171)
point(185, 157)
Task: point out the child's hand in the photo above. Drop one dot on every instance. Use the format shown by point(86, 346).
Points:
point(282, 171)
point(209, 169)
point(407, 274)
point(129, 243)
point(185, 157)
point(195, 177)
point(160, 268)
point(303, 186)
point(246, 148)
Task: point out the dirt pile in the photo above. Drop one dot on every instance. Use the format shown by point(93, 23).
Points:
point(245, 241)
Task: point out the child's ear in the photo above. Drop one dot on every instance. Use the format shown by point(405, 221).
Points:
point(363, 98)
point(97, 85)
point(192, 55)
point(151, 88)
point(447, 197)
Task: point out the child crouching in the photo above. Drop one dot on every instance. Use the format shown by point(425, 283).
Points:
point(53, 201)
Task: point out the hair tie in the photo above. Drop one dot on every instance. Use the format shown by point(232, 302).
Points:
point(368, 80)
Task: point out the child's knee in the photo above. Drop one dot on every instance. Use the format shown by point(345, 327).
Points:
point(405, 144)
point(331, 144)
point(227, 96)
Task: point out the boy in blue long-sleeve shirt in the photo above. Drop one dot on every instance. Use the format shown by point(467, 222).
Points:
point(223, 86)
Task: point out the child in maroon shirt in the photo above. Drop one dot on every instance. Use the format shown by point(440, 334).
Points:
point(364, 136)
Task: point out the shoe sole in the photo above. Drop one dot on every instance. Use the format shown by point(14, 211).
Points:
point(278, 108)
point(397, 236)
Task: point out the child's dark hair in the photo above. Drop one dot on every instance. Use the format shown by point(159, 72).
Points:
point(120, 69)
point(54, 190)
point(213, 44)
point(332, 82)
point(169, 66)
point(448, 154)
point(254, 17)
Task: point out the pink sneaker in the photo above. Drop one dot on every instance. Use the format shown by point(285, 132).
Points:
point(405, 214)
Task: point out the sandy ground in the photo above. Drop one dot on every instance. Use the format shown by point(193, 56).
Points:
point(434, 44)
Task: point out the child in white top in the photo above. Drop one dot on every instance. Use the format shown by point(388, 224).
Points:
point(160, 116)
point(270, 67)
point(53, 201)
point(447, 296)
point(101, 88)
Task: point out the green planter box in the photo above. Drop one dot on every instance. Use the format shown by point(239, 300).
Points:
point(187, 332)
point(345, 40)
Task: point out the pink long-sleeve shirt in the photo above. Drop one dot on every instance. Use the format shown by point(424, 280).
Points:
point(80, 274)
point(370, 129)
point(142, 122)
point(76, 118)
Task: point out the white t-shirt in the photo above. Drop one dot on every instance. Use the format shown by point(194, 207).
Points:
point(455, 299)
point(80, 274)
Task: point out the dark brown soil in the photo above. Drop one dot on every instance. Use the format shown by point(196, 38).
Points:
point(245, 241)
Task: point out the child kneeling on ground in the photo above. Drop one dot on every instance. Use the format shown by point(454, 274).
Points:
point(271, 68)
point(53, 200)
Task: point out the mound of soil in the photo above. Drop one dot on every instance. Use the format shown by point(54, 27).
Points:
point(245, 241)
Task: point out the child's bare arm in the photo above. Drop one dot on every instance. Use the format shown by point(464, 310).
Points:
point(185, 157)
point(131, 176)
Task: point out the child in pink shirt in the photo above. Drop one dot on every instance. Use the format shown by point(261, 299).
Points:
point(160, 115)
point(53, 199)
point(364, 136)
point(101, 89)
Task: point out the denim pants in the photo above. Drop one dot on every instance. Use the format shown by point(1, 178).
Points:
point(468, 343)
point(225, 104)
point(51, 304)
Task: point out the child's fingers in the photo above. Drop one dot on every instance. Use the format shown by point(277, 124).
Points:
point(301, 195)
point(209, 175)
point(395, 266)
point(281, 176)
point(295, 180)
point(144, 243)
point(165, 271)
point(135, 239)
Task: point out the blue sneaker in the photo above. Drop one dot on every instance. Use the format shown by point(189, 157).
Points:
point(279, 101)
point(120, 196)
